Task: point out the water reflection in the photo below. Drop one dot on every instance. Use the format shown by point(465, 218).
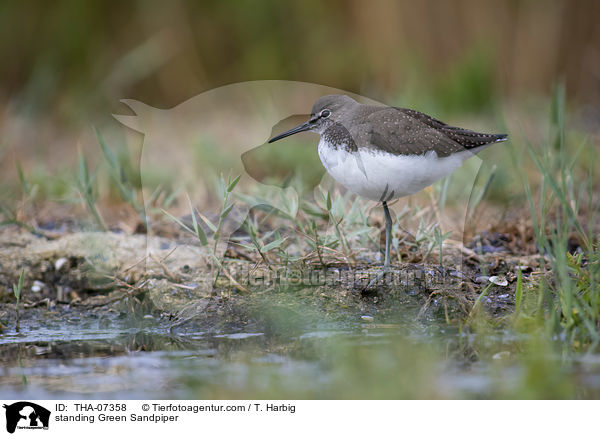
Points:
point(292, 351)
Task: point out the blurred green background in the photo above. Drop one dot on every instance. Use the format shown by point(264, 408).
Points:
point(69, 59)
point(482, 64)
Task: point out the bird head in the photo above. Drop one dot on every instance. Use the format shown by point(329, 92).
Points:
point(326, 111)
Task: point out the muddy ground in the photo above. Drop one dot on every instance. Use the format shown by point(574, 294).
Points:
point(103, 275)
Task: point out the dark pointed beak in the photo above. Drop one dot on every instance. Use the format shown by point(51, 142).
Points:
point(301, 128)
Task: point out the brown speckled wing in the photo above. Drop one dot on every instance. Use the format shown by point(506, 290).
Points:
point(404, 132)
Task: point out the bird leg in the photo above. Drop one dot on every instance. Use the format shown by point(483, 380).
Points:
point(388, 240)
point(388, 235)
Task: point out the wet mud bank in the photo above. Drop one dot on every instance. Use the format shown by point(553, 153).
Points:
point(177, 284)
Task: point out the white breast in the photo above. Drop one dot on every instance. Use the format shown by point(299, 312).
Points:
point(383, 176)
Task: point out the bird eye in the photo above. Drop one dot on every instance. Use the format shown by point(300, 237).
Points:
point(325, 113)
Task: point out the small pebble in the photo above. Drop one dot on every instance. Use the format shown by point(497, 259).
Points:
point(367, 318)
point(482, 279)
point(501, 355)
point(148, 316)
point(60, 263)
point(498, 281)
point(37, 286)
point(490, 249)
point(458, 274)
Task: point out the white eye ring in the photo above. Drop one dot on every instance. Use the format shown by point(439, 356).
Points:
point(325, 113)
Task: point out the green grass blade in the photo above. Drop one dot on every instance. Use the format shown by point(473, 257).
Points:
point(226, 212)
point(210, 225)
point(271, 245)
point(561, 195)
point(197, 227)
point(480, 298)
point(232, 184)
point(201, 235)
point(25, 188)
point(519, 289)
point(110, 156)
point(19, 287)
point(178, 221)
point(194, 222)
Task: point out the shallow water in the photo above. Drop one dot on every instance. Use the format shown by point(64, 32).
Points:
point(389, 357)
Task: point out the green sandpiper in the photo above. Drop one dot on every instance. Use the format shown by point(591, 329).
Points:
point(383, 152)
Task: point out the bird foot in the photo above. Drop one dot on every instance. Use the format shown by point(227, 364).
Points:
point(386, 268)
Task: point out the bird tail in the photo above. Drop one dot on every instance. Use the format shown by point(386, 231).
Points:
point(473, 140)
